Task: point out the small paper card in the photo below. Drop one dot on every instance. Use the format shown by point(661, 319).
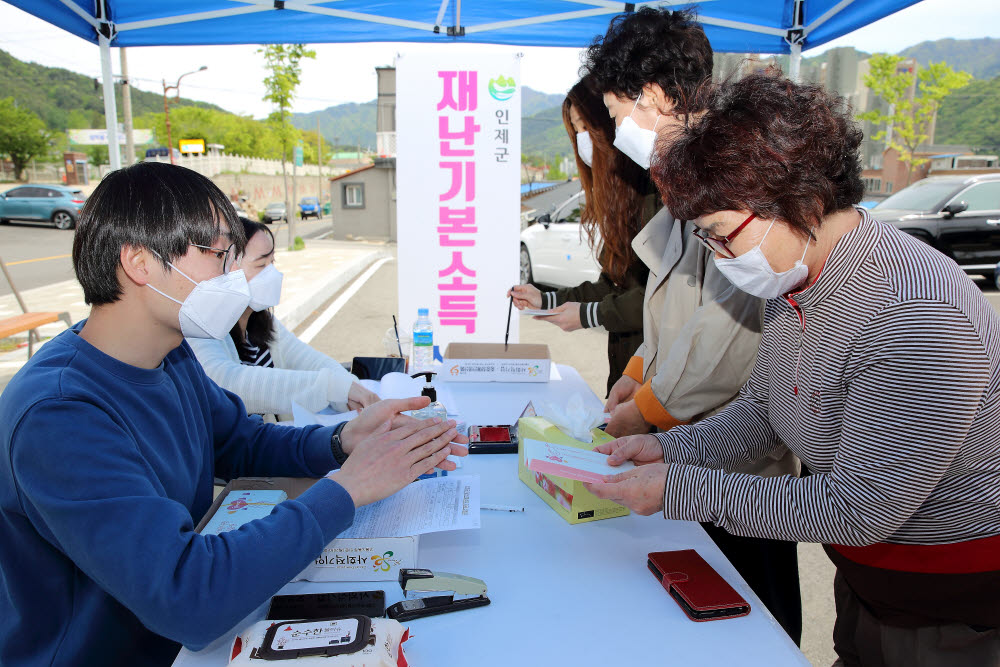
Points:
point(537, 311)
point(241, 507)
point(569, 462)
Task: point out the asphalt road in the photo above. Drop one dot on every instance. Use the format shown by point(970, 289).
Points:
point(40, 254)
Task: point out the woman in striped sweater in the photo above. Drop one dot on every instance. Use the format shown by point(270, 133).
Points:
point(879, 368)
point(264, 363)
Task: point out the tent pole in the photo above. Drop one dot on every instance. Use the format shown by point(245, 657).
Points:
point(110, 108)
point(795, 63)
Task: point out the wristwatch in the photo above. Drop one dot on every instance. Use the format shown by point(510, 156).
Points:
point(337, 447)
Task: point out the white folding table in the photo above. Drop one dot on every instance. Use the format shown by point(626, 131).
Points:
point(561, 595)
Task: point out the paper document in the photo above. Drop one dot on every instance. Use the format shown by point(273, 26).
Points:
point(570, 462)
point(538, 311)
point(426, 506)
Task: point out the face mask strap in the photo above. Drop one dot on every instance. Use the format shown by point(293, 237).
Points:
point(164, 295)
point(170, 264)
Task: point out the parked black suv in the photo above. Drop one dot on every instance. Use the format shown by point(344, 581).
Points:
point(958, 215)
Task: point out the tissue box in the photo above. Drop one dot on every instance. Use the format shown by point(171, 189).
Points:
point(365, 559)
point(567, 497)
point(489, 362)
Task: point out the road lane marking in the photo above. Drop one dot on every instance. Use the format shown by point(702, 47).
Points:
point(328, 314)
point(39, 259)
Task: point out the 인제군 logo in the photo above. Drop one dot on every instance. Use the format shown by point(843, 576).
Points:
point(502, 88)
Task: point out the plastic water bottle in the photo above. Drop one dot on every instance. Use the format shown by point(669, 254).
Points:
point(423, 343)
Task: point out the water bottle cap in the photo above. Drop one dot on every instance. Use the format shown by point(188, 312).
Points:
point(422, 312)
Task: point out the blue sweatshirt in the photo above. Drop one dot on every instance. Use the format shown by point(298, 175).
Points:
point(105, 469)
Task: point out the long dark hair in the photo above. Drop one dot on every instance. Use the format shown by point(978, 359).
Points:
point(614, 185)
point(260, 326)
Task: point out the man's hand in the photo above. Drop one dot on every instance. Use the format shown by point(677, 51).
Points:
point(393, 457)
point(623, 390)
point(640, 489)
point(639, 449)
point(525, 296)
point(359, 398)
point(373, 418)
point(567, 316)
point(627, 420)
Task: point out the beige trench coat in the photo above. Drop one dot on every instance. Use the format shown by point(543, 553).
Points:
point(700, 333)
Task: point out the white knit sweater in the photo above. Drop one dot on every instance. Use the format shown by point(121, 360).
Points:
point(300, 373)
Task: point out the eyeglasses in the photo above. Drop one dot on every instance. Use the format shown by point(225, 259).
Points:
point(721, 245)
point(227, 256)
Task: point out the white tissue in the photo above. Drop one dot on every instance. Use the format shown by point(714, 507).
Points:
point(574, 419)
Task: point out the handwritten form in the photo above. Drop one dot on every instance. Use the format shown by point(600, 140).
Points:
point(425, 506)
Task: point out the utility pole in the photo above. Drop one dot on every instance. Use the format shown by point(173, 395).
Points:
point(319, 165)
point(166, 108)
point(127, 112)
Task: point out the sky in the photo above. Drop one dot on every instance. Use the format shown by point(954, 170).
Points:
point(234, 75)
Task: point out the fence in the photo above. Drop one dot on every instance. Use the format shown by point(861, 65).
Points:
point(211, 165)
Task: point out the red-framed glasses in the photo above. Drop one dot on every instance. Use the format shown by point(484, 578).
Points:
point(721, 245)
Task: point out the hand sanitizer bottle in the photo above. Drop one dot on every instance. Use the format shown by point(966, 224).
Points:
point(435, 409)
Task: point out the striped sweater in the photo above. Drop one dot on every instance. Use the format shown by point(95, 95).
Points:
point(883, 377)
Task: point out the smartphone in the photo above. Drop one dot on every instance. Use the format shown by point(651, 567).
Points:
point(500, 439)
point(695, 586)
point(313, 606)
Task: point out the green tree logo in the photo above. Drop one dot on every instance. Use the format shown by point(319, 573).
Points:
point(502, 88)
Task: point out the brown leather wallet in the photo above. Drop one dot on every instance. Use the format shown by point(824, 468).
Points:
point(696, 587)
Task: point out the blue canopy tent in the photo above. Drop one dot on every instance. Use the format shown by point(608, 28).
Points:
point(742, 26)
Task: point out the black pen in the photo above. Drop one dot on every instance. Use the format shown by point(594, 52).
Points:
point(396, 329)
point(506, 335)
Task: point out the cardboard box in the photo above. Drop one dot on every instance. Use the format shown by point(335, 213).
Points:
point(567, 497)
point(489, 362)
point(368, 559)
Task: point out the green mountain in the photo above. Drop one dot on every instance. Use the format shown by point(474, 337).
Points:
point(65, 99)
point(978, 57)
point(344, 125)
point(349, 124)
point(971, 117)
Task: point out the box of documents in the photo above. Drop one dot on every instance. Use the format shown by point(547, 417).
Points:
point(490, 362)
point(567, 497)
point(358, 559)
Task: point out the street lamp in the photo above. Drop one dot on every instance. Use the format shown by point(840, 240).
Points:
point(166, 108)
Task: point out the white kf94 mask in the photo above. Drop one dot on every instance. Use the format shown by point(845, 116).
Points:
point(214, 306)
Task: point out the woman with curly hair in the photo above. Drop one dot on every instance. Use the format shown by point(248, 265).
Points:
point(619, 202)
point(879, 368)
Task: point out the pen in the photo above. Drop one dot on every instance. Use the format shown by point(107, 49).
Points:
point(501, 508)
point(396, 329)
point(506, 335)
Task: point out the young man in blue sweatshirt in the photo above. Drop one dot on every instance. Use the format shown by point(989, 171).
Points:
point(111, 435)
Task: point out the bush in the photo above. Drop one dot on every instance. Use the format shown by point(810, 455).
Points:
point(299, 244)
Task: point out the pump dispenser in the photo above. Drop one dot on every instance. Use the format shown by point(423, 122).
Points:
point(435, 409)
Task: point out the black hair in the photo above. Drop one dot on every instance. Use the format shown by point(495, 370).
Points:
point(659, 46)
point(157, 206)
point(260, 325)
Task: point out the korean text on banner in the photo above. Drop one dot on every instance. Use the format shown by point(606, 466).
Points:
point(458, 139)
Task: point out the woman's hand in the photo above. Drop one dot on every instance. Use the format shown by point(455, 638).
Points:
point(525, 296)
point(359, 398)
point(567, 316)
point(623, 390)
point(392, 457)
point(640, 489)
point(639, 449)
point(627, 420)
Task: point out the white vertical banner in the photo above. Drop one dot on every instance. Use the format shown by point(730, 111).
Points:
point(458, 161)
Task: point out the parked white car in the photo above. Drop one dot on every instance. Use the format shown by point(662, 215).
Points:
point(555, 251)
